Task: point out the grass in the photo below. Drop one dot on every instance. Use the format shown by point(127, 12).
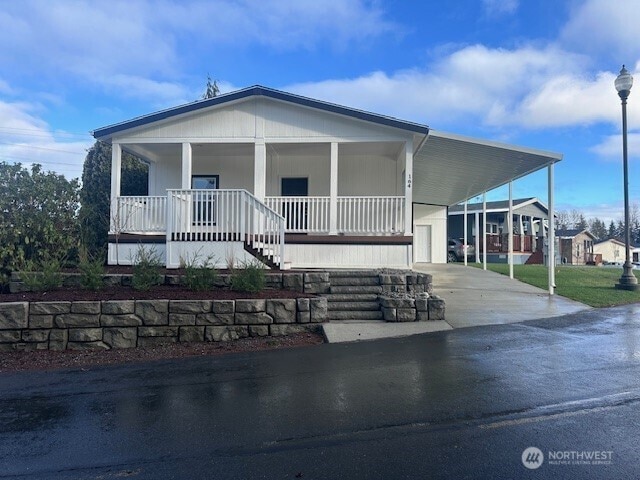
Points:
point(594, 286)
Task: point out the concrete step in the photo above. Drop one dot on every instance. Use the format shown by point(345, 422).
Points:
point(354, 281)
point(355, 315)
point(351, 297)
point(356, 289)
point(350, 306)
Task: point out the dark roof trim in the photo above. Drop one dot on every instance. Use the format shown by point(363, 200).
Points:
point(260, 91)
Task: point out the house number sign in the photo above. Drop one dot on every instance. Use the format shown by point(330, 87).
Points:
point(409, 181)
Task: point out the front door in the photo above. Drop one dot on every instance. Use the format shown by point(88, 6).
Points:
point(422, 243)
point(295, 212)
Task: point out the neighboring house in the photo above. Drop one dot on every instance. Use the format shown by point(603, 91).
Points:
point(611, 250)
point(293, 181)
point(576, 247)
point(530, 224)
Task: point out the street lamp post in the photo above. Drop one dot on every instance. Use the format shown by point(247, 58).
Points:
point(627, 281)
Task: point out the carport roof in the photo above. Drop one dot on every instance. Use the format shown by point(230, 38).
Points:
point(449, 168)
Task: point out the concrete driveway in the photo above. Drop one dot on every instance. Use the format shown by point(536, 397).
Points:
point(477, 297)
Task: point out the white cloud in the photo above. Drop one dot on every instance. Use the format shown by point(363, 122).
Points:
point(610, 148)
point(500, 7)
point(606, 28)
point(27, 139)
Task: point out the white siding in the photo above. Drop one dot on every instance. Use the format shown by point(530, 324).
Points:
point(366, 175)
point(610, 251)
point(313, 167)
point(436, 216)
point(348, 256)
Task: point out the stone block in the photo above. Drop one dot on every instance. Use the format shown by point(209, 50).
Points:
point(72, 280)
point(40, 321)
point(214, 319)
point(422, 316)
point(303, 304)
point(436, 308)
point(278, 330)
point(317, 287)
point(120, 337)
point(28, 347)
point(250, 306)
point(273, 280)
point(85, 334)
point(222, 281)
point(8, 347)
point(303, 317)
point(126, 280)
point(87, 346)
point(226, 334)
point(223, 306)
point(58, 339)
point(389, 314)
point(158, 331)
point(85, 307)
point(172, 279)
point(191, 334)
point(9, 336)
point(127, 320)
point(190, 306)
point(406, 314)
point(390, 302)
point(153, 312)
point(118, 307)
point(393, 279)
point(422, 304)
point(255, 318)
point(182, 318)
point(318, 308)
point(49, 308)
point(18, 287)
point(35, 336)
point(293, 281)
point(259, 330)
point(316, 277)
point(150, 342)
point(283, 310)
point(81, 320)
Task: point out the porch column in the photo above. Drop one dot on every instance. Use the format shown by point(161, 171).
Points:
point(484, 230)
point(408, 186)
point(187, 166)
point(116, 176)
point(260, 169)
point(551, 234)
point(510, 227)
point(464, 240)
point(333, 190)
point(476, 223)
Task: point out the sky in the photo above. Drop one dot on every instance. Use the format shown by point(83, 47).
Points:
point(533, 73)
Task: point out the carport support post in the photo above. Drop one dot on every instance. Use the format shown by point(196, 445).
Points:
point(333, 190)
point(551, 234)
point(476, 223)
point(116, 175)
point(510, 226)
point(464, 246)
point(187, 166)
point(484, 230)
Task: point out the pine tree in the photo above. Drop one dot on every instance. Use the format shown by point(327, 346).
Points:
point(212, 89)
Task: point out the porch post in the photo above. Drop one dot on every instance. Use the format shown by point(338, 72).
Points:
point(116, 176)
point(260, 169)
point(187, 166)
point(484, 230)
point(551, 234)
point(464, 239)
point(510, 227)
point(476, 224)
point(408, 186)
point(333, 190)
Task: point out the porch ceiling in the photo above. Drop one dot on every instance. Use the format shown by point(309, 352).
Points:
point(449, 168)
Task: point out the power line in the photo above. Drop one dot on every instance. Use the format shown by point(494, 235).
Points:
point(41, 148)
point(42, 162)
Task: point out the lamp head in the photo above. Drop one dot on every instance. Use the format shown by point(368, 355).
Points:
point(623, 83)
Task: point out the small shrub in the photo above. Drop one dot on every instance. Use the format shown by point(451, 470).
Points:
point(91, 271)
point(249, 278)
point(146, 269)
point(199, 275)
point(42, 276)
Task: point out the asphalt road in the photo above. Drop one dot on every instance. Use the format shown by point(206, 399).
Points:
point(457, 404)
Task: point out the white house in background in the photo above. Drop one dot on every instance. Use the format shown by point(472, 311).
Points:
point(611, 249)
point(298, 182)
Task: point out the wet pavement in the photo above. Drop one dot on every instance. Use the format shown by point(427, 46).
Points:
point(462, 403)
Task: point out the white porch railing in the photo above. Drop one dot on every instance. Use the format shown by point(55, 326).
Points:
point(225, 215)
point(371, 215)
point(302, 214)
point(141, 214)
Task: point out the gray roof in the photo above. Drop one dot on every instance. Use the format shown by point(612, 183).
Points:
point(572, 232)
point(500, 205)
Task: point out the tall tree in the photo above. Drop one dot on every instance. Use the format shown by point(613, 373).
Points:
point(38, 215)
point(611, 233)
point(95, 195)
point(212, 89)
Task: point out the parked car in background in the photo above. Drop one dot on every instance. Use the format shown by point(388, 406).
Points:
point(455, 252)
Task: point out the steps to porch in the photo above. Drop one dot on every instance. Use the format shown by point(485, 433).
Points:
point(353, 296)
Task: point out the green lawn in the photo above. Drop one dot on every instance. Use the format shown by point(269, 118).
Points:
point(591, 285)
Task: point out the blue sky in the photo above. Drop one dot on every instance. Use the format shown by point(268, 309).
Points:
point(534, 73)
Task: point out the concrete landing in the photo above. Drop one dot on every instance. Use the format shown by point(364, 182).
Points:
point(337, 332)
